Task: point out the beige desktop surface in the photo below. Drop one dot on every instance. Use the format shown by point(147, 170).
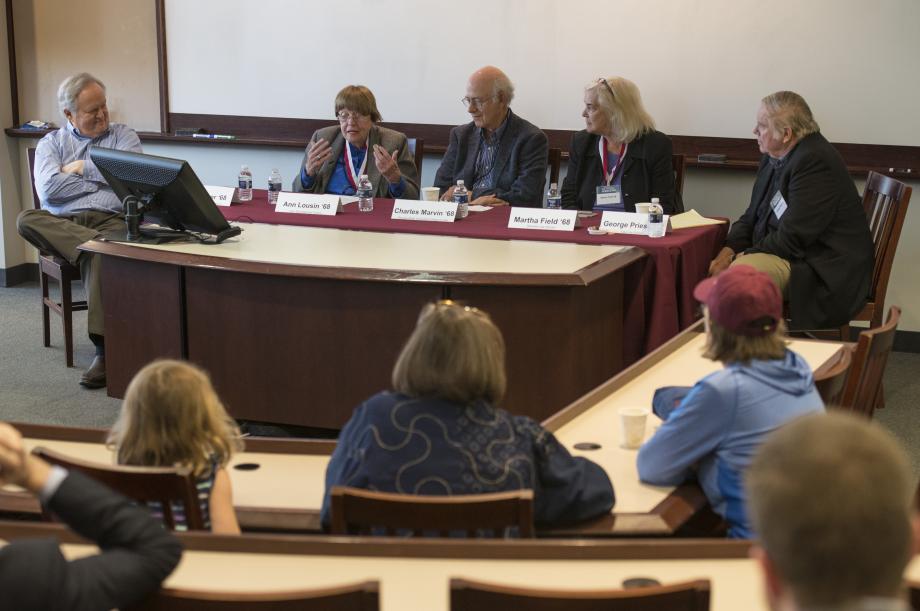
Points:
point(683, 367)
point(324, 247)
point(412, 583)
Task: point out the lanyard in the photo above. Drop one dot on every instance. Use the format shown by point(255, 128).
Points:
point(602, 151)
point(350, 166)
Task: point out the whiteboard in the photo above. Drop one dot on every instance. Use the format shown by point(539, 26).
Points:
point(702, 65)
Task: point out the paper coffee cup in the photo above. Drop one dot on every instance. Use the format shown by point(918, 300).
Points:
point(632, 426)
point(643, 207)
point(431, 194)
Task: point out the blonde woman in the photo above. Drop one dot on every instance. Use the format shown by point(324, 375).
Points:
point(618, 159)
point(172, 417)
point(441, 432)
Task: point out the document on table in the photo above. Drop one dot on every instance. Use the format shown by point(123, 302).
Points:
point(692, 218)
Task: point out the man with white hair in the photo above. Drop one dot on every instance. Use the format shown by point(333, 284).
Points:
point(77, 203)
point(500, 157)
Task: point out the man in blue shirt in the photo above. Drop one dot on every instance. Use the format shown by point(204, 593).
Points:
point(77, 203)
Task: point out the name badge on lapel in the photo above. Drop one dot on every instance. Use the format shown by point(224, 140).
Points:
point(778, 204)
point(609, 195)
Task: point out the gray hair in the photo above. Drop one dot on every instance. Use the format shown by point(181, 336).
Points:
point(789, 109)
point(503, 85)
point(71, 88)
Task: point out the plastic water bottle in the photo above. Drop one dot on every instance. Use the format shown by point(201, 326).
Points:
point(462, 199)
point(274, 186)
point(245, 190)
point(656, 226)
point(553, 198)
point(365, 193)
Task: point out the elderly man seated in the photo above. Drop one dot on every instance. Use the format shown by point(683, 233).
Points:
point(499, 156)
point(77, 203)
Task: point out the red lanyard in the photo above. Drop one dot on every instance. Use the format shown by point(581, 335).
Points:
point(350, 166)
point(602, 150)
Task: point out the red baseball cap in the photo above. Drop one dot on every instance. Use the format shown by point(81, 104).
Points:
point(743, 300)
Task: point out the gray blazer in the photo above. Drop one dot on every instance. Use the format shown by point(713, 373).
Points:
point(520, 163)
point(387, 138)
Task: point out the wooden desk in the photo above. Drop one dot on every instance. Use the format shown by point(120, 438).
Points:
point(297, 325)
point(414, 574)
point(285, 493)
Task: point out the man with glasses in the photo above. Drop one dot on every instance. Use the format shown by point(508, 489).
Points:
point(500, 157)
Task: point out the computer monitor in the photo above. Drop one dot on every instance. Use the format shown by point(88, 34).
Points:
point(165, 190)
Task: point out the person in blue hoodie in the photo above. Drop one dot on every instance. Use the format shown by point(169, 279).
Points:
point(441, 432)
point(712, 430)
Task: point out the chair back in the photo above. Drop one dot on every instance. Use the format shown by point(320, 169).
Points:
point(830, 378)
point(885, 201)
point(476, 596)
point(36, 203)
point(863, 390)
point(677, 162)
point(166, 486)
point(358, 597)
point(554, 162)
point(417, 148)
point(356, 511)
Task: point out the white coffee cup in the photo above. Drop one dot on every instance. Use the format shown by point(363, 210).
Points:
point(643, 207)
point(431, 194)
point(632, 426)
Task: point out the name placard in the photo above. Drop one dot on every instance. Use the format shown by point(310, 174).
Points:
point(307, 203)
point(411, 210)
point(542, 218)
point(222, 196)
point(635, 223)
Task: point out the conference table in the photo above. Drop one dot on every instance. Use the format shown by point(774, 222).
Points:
point(301, 318)
point(285, 492)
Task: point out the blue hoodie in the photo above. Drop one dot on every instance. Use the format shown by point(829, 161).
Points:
point(717, 426)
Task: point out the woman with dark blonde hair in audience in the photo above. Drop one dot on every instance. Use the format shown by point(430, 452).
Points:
point(441, 432)
point(172, 417)
point(619, 159)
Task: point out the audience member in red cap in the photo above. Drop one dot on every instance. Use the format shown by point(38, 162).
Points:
point(712, 430)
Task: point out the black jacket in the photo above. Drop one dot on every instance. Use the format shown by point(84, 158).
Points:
point(647, 172)
point(824, 233)
point(137, 554)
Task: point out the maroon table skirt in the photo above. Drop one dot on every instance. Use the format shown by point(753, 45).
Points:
point(659, 289)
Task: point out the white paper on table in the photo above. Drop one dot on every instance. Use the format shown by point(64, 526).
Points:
point(692, 218)
point(479, 208)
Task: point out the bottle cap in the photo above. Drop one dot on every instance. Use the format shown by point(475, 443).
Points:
point(655, 200)
point(459, 183)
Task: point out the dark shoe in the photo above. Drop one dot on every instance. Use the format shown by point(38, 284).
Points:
point(94, 377)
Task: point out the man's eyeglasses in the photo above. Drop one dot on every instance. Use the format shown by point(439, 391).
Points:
point(476, 102)
point(345, 115)
point(607, 85)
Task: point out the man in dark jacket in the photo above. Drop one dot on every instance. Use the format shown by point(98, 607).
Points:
point(137, 553)
point(805, 225)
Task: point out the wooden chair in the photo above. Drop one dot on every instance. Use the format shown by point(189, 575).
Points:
point(358, 597)
point(417, 148)
point(831, 378)
point(476, 596)
point(162, 485)
point(677, 162)
point(885, 201)
point(356, 511)
point(863, 391)
point(51, 266)
point(554, 161)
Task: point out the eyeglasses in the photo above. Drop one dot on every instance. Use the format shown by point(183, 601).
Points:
point(345, 115)
point(476, 102)
point(607, 85)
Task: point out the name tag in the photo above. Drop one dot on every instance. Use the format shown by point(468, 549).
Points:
point(307, 203)
point(222, 196)
point(627, 222)
point(778, 204)
point(410, 210)
point(542, 218)
point(608, 195)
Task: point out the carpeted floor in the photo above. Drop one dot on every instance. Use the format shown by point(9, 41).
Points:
point(35, 385)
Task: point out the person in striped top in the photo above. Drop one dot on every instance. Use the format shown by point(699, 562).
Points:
point(172, 417)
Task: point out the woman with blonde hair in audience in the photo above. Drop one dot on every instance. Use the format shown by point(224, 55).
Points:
point(619, 159)
point(441, 432)
point(172, 417)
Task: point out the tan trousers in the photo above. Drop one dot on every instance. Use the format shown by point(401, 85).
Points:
point(777, 268)
point(60, 235)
